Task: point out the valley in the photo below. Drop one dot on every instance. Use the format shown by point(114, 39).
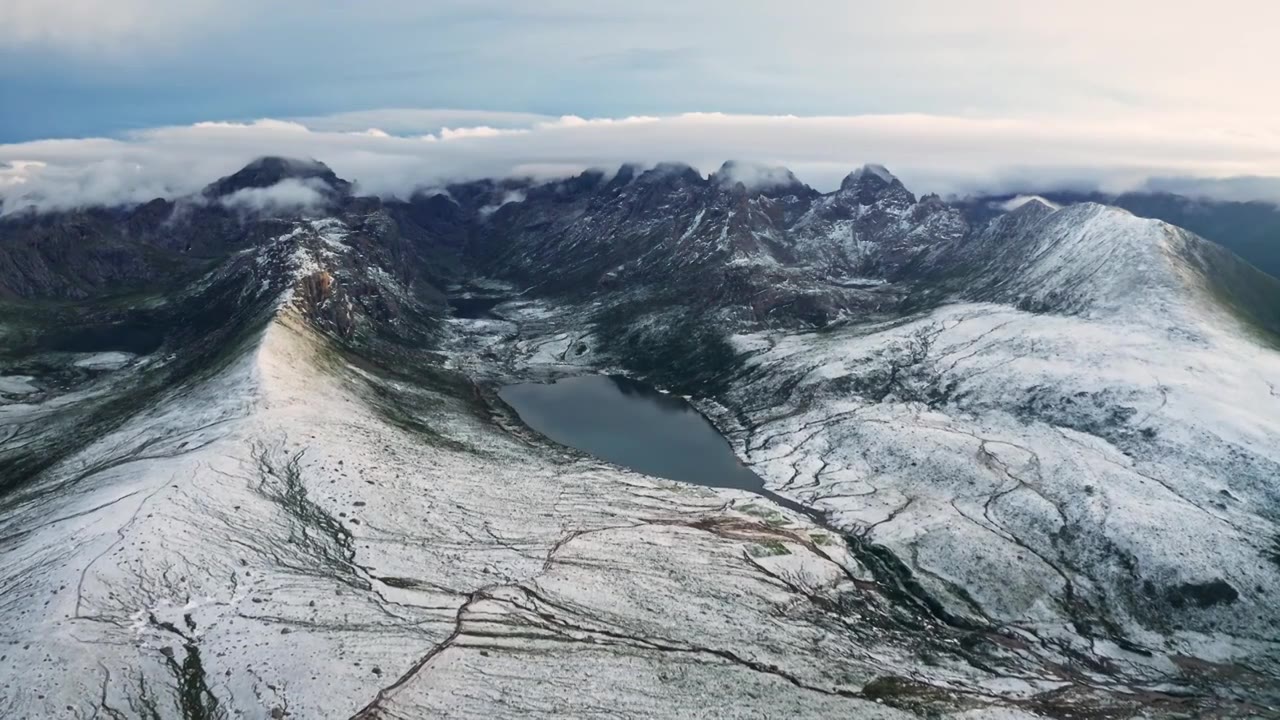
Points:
point(1025, 469)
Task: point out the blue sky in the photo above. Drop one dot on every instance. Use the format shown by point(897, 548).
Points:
point(955, 96)
point(85, 67)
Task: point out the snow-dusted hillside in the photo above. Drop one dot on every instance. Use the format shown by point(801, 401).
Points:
point(1077, 479)
point(1037, 459)
point(1092, 259)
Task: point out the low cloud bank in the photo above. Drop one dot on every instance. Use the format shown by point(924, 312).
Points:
point(288, 194)
point(947, 155)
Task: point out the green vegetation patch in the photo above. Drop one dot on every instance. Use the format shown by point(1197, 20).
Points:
point(768, 548)
point(1251, 295)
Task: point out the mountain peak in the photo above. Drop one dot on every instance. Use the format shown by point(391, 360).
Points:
point(870, 170)
point(265, 172)
point(869, 182)
point(1031, 207)
point(767, 180)
point(672, 172)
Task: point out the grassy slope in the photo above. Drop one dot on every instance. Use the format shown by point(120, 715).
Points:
point(1249, 294)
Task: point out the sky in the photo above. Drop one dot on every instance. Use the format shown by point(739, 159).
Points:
point(1104, 92)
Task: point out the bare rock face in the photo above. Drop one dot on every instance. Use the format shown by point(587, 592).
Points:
point(320, 300)
point(254, 465)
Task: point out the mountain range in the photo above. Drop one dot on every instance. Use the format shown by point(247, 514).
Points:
point(254, 462)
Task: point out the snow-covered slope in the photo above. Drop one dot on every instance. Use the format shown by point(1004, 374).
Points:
point(308, 533)
point(874, 227)
point(1107, 264)
point(1091, 474)
point(1037, 459)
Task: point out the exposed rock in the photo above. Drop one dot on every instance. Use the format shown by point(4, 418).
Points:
point(1203, 595)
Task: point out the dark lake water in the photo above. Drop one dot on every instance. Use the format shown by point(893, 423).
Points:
point(139, 337)
point(634, 425)
point(475, 308)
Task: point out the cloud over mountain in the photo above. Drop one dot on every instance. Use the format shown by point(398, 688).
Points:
point(944, 154)
point(288, 194)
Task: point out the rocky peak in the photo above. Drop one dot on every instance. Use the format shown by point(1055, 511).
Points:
point(769, 181)
point(625, 175)
point(266, 172)
point(585, 182)
point(870, 183)
point(871, 172)
point(674, 174)
point(1033, 208)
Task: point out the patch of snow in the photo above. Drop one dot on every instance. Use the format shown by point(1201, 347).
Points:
point(17, 385)
point(113, 360)
point(855, 282)
point(697, 222)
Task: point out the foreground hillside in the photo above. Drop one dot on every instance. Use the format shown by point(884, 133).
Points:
point(255, 466)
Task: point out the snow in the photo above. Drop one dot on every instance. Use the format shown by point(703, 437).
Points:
point(1107, 261)
point(105, 361)
point(1028, 471)
point(1203, 421)
point(270, 518)
point(17, 385)
point(693, 227)
point(854, 281)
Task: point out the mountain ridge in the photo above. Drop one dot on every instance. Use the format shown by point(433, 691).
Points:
point(778, 245)
point(1250, 229)
point(1041, 461)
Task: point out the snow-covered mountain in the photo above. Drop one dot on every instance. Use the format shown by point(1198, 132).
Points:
point(254, 465)
point(1250, 229)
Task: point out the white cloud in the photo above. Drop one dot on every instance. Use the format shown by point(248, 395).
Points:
point(931, 153)
point(992, 56)
point(288, 194)
point(17, 173)
point(511, 196)
point(756, 176)
point(474, 132)
point(419, 121)
point(82, 66)
point(1017, 202)
point(267, 124)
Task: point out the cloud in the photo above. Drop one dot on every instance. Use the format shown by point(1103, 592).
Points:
point(473, 132)
point(1017, 202)
point(98, 24)
point(1233, 188)
point(931, 153)
point(286, 195)
point(263, 124)
point(755, 176)
point(511, 196)
point(16, 173)
point(419, 121)
point(75, 67)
